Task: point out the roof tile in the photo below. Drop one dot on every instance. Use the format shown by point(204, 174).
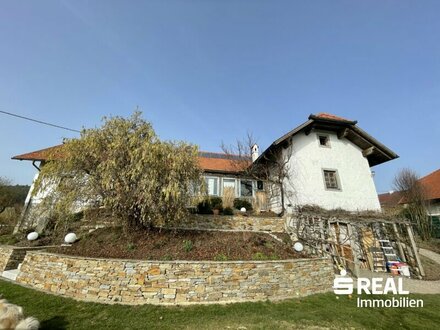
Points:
point(208, 161)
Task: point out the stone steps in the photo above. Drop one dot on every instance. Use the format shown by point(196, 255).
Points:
point(11, 274)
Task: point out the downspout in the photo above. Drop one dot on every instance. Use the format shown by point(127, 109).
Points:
point(33, 164)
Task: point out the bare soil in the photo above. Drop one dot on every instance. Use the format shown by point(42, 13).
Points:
point(163, 244)
point(432, 269)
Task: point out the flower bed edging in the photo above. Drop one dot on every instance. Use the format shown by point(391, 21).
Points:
point(174, 282)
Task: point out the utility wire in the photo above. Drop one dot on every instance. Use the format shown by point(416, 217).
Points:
point(39, 121)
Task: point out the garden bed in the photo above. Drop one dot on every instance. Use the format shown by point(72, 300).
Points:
point(181, 245)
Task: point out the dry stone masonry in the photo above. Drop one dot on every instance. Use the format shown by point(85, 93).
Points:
point(234, 223)
point(174, 282)
point(12, 256)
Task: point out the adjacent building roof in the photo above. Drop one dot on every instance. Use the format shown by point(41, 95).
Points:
point(376, 152)
point(390, 199)
point(208, 161)
point(430, 183)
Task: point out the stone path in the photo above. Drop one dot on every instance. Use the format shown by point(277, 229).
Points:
point(409, 284)
point(431, 255)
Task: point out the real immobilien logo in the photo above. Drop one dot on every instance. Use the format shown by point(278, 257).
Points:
point(376, 286)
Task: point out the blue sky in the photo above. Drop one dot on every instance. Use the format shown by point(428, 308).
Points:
point(209, 71)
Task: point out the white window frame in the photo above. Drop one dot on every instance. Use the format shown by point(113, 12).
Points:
point(235, 185)
point(216, 193)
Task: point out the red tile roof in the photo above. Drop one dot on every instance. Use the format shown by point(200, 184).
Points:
point(208, 161)
point(431, 183)
point(390, 199)
point(43, 154)
point(331, 116)
point(222, 164)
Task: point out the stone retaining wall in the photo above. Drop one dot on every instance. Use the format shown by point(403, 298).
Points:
point(5, 254)
point(12, 256)
point(174, 282)
point(234, 223)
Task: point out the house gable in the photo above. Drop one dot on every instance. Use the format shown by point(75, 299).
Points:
point(373, 150)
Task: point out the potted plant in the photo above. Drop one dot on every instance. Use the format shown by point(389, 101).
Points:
point(217, 205)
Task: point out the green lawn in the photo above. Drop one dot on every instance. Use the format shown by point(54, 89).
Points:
point(316, 311)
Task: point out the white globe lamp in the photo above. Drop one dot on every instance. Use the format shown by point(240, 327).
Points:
point(243, 209)
point(298, 247)
point(70, 238)
point(32, 236)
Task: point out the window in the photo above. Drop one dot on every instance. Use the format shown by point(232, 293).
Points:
point(229, 185)
point(212, 185)
point(260, 185)
point(331, 179)
point(245, 188)
point(324, 140)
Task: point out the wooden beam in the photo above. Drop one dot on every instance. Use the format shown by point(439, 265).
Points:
point(398, 242)
point(308, 129)
point(343, 133)
point(367, 152)
point(354, 249)
point(414, 249)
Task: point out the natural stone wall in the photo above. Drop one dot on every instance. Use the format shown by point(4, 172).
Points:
point(12, 256)
point(235, 223)
point(5, 254)
point(178, 282)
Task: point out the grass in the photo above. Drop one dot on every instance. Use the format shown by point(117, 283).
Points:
point(316, 312)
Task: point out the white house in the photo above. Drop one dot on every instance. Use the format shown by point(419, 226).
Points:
point(328, 160)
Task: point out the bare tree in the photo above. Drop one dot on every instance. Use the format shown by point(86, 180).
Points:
point(5, 196)
point(272, 167)
point(414, 196)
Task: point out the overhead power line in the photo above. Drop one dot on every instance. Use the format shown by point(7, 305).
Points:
point(39, 121)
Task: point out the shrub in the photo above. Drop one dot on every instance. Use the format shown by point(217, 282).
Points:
point(228, 197)
point(221, 257)
point(228, 211)
point(259, 256)
point(124, 166)
point(239, 203)
point(204, 207)
point(187, 245)
point(217, 203)
point(209, 204)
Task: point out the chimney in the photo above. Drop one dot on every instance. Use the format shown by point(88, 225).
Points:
point(255, 152)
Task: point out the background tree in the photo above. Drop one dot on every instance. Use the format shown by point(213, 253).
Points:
point(414, 196)
point(125, 167)
point(10, 195)
point(5, 198)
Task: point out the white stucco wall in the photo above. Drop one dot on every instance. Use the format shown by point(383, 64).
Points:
point(306, 184)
